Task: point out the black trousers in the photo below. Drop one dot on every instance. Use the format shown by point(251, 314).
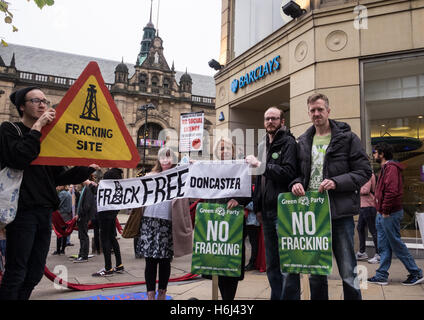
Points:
point(228, 285)
point(252, 232)
point(61, 244)
point(83, 238)
point(108, 238)
point(28, 242)
point(367, 219)
point(96, 229)
point(150, 273)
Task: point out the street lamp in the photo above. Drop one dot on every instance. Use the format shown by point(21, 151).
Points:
point(146, 108)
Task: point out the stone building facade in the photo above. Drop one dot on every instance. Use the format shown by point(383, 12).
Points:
point(367, 56)
point(149, 81)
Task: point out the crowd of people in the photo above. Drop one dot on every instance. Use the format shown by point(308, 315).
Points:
point(327, 157)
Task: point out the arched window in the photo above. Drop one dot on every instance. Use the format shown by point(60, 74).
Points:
point(152, 134)
point(155, 81)
point(166, 83)
point(143, 79)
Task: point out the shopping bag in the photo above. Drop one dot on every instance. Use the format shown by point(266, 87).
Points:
point(132, 227)
point(10, 183)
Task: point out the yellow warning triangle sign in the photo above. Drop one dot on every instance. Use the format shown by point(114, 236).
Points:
point(88, 128)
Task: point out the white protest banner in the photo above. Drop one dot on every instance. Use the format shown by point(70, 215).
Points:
point(218, 179)
point(144, 191)
point(191, 131)
point(203, 179)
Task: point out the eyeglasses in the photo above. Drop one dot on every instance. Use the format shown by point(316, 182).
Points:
point(39, 101)
point(271, 119)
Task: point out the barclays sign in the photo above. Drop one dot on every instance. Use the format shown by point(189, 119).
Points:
point(256, 74)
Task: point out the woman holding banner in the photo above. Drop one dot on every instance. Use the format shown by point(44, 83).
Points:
point(165, 232)
point(225, 150)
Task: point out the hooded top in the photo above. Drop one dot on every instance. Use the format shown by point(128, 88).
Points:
point(389, 190)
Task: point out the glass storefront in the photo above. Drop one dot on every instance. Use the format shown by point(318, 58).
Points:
point(393, 99)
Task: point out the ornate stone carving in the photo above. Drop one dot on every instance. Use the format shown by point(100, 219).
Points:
point(336, 40)
point(301, 51)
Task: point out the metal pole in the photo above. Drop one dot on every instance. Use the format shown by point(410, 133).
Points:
point(145, 142)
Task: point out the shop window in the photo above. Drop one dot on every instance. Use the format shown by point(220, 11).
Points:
point(394, 113)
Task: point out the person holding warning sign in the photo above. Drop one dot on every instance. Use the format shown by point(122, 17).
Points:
point(331, 158)
point(29, 235)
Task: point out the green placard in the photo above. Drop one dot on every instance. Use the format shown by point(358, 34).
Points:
point(218, 236)
point(304, 233)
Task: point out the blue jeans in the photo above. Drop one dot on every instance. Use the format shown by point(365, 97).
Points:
point(272, 255)
point(343, 250)
point(389, 241)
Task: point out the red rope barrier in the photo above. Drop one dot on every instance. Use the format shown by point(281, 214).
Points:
point(87, 287)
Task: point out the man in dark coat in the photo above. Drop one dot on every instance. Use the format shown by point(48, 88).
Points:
point(331, 158)
point(29, 235)
point(276, 170)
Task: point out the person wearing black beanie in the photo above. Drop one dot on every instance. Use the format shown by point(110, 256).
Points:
point(28, 236)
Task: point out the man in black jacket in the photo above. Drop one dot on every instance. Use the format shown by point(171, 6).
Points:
point(277, 169)
point(86, 211)
point(29, 235)
point(331, 158)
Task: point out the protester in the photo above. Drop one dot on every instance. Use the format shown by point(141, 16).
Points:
point(277, 169)
point(225, 150)
point(86, 210)
point(367, 215)
point(165, 232)
point(107, 224)
point(388, 196)
point(331, 159)
point(65, 210)
point(28, 236)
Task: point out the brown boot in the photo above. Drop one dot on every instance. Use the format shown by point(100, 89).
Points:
point(151, 295)
point(162, 294)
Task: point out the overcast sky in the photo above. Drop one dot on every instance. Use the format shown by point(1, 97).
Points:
point(190, 29)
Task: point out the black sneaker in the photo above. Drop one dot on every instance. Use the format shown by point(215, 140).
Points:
point(413, 280)
point(378, 281)
point(56, 253)
point(80, 260)
point(119, 269)
point(103, 273)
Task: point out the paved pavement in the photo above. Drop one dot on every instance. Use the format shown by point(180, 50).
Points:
point(254, 287)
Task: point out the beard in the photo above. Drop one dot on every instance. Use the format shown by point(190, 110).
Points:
point(272, 129)
point(378, 160)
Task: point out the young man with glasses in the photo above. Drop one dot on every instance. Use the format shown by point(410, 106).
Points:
point(28, 236)
point(275, 172)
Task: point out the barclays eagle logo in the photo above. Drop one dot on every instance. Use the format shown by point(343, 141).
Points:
point(235, 86)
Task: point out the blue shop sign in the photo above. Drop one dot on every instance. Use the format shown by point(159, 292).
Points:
point(256, 74)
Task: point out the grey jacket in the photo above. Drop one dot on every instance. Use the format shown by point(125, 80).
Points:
point(345, 162)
